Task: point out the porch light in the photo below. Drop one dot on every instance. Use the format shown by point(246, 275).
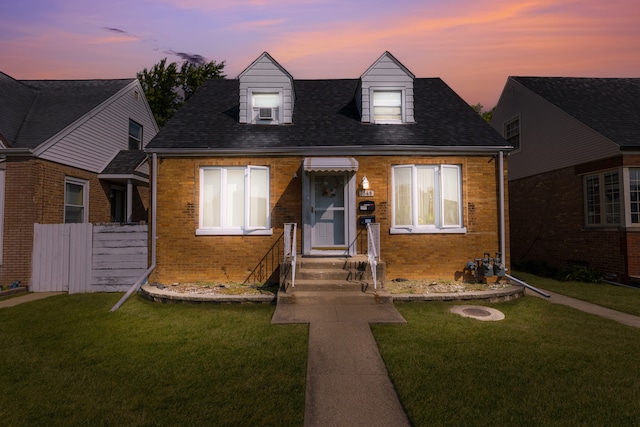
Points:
point(365, 183)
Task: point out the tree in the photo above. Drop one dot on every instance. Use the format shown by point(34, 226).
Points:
point(486, 115)
point(167, 88)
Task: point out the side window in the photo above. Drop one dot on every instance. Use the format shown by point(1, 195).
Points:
point(135, 135)
point(634, 195)
point(602, 198)
point(76, 195)
point(512, 132)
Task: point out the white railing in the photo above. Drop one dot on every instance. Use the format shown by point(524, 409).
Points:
point(290, 230)
point(373, 250)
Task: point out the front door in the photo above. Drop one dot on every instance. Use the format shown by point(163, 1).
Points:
point(328, 211)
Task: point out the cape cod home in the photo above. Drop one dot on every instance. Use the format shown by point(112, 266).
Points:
point(574, 176)
point(71, 151)
point(245, 156)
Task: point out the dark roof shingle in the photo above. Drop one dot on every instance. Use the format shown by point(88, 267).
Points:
point(54, 105)
point(610, 106)
point(325, 115)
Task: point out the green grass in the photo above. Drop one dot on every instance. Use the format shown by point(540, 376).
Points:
point(543, 365)
point(66, 360)
point(618, 298)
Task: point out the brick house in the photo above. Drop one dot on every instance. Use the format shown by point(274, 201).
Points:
point(244, 156)
point(574, 174)
point(70, 151)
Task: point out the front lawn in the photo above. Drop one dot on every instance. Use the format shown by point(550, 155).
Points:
point(543, 365)
point(618, 298)
point(67, 360)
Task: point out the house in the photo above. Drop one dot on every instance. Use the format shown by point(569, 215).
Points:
point(575, 171)
point(70, 151)
point(245, 156)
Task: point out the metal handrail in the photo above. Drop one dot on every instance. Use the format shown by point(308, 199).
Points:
point(290, 250)
point(373, 250)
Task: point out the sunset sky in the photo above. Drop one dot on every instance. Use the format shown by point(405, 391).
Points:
point(473, 45)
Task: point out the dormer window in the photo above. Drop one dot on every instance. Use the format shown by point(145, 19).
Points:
point(385, 93)
point(266, 107)
point(387, 106)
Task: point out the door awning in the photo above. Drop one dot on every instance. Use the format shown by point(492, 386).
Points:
point(333, 164)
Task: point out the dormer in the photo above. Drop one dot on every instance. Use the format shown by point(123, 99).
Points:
point(266, 93)
point(385, 92)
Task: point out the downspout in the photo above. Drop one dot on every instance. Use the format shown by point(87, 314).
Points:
point(503, 231)
point(154, 193)
point(129, 213)
point(501, 205)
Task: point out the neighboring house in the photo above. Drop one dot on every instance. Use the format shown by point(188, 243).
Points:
point(574, 176)
point(70, 151)
point(244, 156)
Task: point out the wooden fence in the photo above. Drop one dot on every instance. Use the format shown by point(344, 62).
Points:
point(80, 258)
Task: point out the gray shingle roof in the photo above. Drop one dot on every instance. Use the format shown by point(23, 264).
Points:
point(13, 112)
point(125, 163)
point(325, 115)
point(610, 106)
point(54, 105)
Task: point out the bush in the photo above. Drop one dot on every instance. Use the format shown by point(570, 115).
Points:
point(576, 273)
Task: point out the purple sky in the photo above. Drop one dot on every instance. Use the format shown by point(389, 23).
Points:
point(473, 45)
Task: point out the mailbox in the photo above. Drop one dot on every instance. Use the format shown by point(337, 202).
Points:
point(367, 206)
point(367, 219)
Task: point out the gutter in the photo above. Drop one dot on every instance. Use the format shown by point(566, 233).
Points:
point(16, 152)
point(145, 276)
point(331, 150)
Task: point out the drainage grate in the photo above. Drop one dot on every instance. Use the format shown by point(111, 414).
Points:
point(476, 312)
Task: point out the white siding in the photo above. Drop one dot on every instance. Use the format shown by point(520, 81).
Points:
point(93, 142)
point(266, 75)
point(385, 73)
point(550, 139)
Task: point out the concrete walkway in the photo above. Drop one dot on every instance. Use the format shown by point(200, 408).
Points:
point(347, 381)
point(587, 307)
point(31, 296)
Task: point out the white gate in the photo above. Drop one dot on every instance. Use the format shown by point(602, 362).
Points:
point(61, 258)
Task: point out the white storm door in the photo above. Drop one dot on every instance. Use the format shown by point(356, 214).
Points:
point(328, 211)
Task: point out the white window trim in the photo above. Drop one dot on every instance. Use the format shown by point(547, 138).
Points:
point(623, 184)
point(85, 197)
point(403, 104)
point(427, 229)
point(504, 131)
point(252, 112)
point(626, 198)
point(235, 231)
point(130, 136)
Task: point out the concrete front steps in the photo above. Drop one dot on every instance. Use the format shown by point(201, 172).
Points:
point(344, 280)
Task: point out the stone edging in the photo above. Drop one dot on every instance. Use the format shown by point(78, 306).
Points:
point(506, 294)
point(17, 290)
point(155, 294)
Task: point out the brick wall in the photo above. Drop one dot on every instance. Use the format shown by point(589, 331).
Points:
point(547, 217)
point(34, 193)
point(184, 257)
